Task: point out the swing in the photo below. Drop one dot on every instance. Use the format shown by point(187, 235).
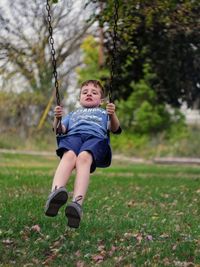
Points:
point(112, 64)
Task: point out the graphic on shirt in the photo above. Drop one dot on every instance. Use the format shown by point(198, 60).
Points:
point(87, 120)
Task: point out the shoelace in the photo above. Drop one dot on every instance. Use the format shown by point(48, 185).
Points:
point(77, 199)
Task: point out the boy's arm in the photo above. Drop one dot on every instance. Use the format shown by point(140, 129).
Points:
point(114, 121)
point(58, 111)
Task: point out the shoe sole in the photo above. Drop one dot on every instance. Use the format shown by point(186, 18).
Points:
point(73, 217)
point(56, 203)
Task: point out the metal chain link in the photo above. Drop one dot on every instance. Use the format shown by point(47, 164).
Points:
point(53, 52)
point(114, 50)
point(53, 58)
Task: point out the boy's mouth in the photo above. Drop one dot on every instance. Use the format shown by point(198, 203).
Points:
point(88, 99)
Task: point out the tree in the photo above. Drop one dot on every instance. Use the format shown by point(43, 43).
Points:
point(140, 112)
point(14, 108)
point(24, 47)
point(91, 69)
point(25, 59)
point(164, 33)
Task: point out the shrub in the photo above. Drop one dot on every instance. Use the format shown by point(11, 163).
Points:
point(141, 113)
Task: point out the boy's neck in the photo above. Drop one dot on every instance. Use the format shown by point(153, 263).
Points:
point(90, 107)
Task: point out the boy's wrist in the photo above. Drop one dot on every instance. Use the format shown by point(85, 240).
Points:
point(112, 115)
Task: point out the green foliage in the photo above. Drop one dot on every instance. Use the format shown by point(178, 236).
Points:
point(177, 141)
point(140, 112)
point(151, 119)
point(130, 144)
point(91, 69)
point(167, 33)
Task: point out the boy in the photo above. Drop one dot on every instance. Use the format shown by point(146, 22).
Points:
point(84, 146)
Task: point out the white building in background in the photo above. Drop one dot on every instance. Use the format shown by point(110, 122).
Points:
point(192, 116)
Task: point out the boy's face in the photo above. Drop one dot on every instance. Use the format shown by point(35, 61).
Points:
point(90, 96)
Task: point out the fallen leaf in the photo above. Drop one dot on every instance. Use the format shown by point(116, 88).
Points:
point(138, 237)
point(149, 237)
point(131, 203)
point(166, 262)
point(7, 242)
point(183, 264)
point(36, 228)
point(118, 259)
point(174, 247)
point(78, 253)
point(101, 247)
point(111, 252)
point(164, 235)
point(128, 235)
point(49, 259)
point(80, 264)
point(97, 258)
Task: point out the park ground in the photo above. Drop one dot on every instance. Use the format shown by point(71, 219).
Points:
point(135, 214)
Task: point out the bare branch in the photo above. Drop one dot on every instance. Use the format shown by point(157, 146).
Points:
point(24, 47)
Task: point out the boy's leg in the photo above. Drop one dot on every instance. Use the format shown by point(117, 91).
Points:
point(83, 164)
point(64, 169)
point(59, 196)
point(74, 211)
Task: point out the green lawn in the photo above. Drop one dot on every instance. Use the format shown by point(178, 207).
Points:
point(134, 215)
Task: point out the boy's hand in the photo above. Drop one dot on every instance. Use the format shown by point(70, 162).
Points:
point(110, 108)
point(58, 111)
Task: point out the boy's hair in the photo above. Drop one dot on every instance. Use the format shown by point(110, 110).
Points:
point(96, 83)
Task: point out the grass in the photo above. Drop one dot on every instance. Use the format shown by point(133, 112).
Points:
point(134, 215)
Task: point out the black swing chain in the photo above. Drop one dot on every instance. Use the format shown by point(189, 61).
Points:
point(53, 52)
point(114, 50)
point(53, 58)
point(113, 56)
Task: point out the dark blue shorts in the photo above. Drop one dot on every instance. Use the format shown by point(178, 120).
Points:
point(98, 147)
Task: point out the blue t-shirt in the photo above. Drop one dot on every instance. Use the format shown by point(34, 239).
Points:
point(87, 121)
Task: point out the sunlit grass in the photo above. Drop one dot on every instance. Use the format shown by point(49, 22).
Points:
point(134, 215)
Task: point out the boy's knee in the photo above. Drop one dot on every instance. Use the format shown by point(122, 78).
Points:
point(84, 157)
point(70, 155)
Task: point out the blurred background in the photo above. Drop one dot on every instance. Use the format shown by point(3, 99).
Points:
point(147, 52)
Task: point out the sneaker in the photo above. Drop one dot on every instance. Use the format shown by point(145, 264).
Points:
point(55, 201)
point(74, 213)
